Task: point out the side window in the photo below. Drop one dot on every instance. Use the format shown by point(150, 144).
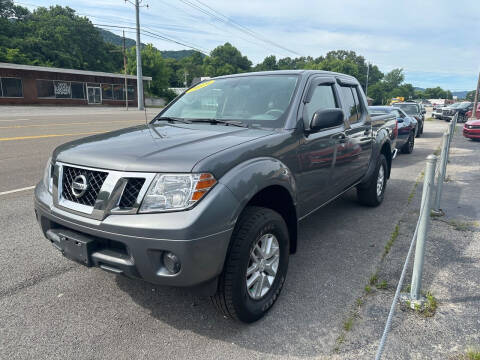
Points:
point(357, 102)
point(350, 105)
point(323, 97)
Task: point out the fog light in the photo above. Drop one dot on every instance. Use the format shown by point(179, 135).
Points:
point(171, 262)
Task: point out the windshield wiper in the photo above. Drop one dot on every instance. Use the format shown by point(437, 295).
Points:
point(170, 118)
point(218, 121)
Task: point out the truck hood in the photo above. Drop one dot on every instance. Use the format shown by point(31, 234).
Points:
point(160, 147)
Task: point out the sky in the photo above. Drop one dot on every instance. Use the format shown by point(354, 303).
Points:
point(436, 42)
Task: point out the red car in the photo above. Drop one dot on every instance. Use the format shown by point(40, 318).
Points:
point(469, 113)
point(471, 129)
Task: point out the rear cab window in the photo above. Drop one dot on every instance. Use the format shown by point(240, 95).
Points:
point(351, 103)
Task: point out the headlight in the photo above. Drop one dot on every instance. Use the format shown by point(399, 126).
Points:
point(169, 192)
point(47, 175)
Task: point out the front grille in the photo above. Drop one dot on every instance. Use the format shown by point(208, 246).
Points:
point(473, 126)
point(130, 194)
point(95, 181)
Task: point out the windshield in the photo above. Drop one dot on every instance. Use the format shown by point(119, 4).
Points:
point(254, 100)
point(454, 106)
point(410, 109)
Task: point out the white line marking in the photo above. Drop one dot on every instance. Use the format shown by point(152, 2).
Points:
point(16, 190)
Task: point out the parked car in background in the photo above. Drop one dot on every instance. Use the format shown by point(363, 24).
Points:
point(407, 126)
point(461, 108)
point(413, 109)
point(210, 193)
point(470, 112)
point(437, 111)
point(471, 129)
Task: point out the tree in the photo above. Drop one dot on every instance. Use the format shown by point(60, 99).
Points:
point(53, 37)
point(269, 63)
point(393, 79)
point(225, 59)
point(152, 65)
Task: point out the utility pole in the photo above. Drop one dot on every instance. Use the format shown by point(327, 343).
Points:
point(139, 59)
point(125, 70)
point(185, 73)
point(475, 102)
point(366, 85)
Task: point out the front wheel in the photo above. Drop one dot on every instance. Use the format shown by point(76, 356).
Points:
point(373, 192)
point(256, 266)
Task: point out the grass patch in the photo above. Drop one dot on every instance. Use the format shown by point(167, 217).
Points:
point(429, 119)
point(347, 324)
point(463, 225)
point(368, 289)
point(373, 279)
point(390, 242)
point(382, 285)
point(414, 190)
point(340, 340)
point(472, 354)
point(359, 302)
point(437, 151)
point(430, 306)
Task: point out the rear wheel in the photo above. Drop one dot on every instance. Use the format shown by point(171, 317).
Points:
point(373, 192)
point(256, 266)
point(407, 148)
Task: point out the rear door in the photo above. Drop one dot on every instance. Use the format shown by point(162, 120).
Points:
point(317, 150)
point(353, 153)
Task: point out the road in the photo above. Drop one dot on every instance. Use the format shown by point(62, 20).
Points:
point(53, 308)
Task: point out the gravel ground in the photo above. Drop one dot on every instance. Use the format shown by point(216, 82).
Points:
point(451, 274)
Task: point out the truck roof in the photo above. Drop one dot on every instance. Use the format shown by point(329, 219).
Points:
point(305, 73)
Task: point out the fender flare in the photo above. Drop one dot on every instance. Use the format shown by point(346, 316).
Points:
point(248, 178)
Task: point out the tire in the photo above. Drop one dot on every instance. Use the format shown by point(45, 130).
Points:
point(368, 195)
point(420, 130)
point(233, 299)
point(407, 148)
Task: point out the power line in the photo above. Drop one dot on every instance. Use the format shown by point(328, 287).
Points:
point(151, 34)
point(225, 19)
point(222, 30)
point(155, 35)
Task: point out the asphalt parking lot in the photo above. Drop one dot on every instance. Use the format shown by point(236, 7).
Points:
point(53, 308)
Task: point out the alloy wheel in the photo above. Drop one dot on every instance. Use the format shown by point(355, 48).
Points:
point(380, 181)
point(262, 266)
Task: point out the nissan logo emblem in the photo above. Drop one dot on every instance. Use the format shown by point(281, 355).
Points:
point(79, 185)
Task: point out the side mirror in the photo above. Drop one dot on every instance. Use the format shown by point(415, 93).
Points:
point(400, 119)
point(327, 118)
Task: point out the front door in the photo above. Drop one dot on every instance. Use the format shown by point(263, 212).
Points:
point(94, 95)
point(317, 150)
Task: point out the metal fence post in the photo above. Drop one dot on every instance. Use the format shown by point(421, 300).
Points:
point(423, 228)
point(453, 125)
point(441, 174)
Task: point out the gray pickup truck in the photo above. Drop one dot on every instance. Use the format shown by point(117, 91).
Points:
point(212, 191)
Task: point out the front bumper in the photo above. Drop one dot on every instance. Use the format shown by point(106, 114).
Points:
point(133, 244)
point(471, 133)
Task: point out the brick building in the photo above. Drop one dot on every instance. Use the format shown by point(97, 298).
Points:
point(27, 84)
